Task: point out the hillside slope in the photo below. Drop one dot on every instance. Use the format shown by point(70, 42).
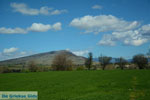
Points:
point(44, 58)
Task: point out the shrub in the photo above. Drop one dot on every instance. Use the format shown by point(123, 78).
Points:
point(5, 70)
point(80, 68)
point(25, 71)
point(43, 69)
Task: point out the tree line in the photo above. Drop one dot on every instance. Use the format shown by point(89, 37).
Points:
point(62, 62)
point(140, 60)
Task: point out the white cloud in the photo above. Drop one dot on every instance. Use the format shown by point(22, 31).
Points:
point(133, 37)
point(145, 30)
point(24, 9)
point(108, 40)
point(23, 52)
point(35, 27)
point(45, 10)
point(11, 53)
point(128, 33)
point(103, 23)
point(39, 27)
point(4, 30)
point(80, 52)
point(57, 12)
point(10, 50)
point(97, 7)
point(135, 42)
point(57, 26)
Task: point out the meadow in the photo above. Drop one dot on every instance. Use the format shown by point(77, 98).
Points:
point(81, 85)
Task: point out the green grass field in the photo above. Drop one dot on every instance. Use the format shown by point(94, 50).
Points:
point(81, 85)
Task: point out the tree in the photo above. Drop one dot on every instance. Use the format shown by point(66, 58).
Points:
point(140, 60)
point(32, 66)
point(60, 62)
point(89, 60)
point(121, 62)
point(104, 60)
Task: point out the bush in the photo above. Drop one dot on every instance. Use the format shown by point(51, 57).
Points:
point(80, 68)
point(69, 68)
point(25, 71)
point(43, 69)
point(5, 70)
point(16, 70)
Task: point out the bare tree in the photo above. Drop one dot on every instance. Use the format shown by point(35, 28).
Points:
point(104, 60)
point(32, 66)
point(121, 62)
point(89, 61)
point(140, 60)
point(60, 62)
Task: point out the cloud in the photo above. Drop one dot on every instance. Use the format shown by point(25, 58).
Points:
point(135, 37)
point(80, 52)
point(119, 30)
point(107, 40)
point(57, 12)
point(45, 10)
point(35, 27)
point(145, 30)
point(11, 53)
point(102, 23)
point(16, 30)
point(97, 7)
point(39, 27)
point(24, 9)
point(57, 26)
point(10, 50)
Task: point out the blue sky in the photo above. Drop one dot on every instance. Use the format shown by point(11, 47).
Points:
point(109, 27)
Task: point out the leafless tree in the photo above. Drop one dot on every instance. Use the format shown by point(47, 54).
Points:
point(104, 60)
point(60, 62)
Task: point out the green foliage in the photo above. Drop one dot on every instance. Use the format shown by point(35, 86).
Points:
point(25, 71)
point(81, 85)
point(80, 68)
point(89, 61)
point(5, 70)
point(140, 60)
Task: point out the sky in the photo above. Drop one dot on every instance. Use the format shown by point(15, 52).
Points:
point(116, 28)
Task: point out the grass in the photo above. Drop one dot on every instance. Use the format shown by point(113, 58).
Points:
point(81, 85)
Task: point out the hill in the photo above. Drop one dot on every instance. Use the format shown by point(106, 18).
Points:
point(44, 58)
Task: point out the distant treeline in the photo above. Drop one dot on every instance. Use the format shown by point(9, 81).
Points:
point(62, 63)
